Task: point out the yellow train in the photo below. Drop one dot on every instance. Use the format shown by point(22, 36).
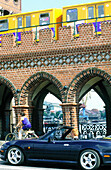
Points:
point(71, 15)
point(87, 13)
point(31, 21)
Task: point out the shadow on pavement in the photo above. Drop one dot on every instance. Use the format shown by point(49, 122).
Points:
point(51, 166)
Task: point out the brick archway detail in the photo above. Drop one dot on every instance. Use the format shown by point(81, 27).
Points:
point(10, 86)
point(83, 76)
point(37, 77)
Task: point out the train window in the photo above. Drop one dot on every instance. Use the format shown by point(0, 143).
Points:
point(72, 14)
point(91, 12)
point(19, 22)
point(4, 25)
point(28, 21)
point(44, 19)
point(101, 11)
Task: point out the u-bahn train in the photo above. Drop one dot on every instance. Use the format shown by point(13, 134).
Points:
point(54, 18)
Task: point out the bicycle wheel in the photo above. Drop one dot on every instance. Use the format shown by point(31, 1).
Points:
point(9, 137)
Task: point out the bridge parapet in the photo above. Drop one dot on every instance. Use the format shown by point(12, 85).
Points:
point(65, 35)
point(8, 41)
point(86, 31)
point(27, 39)
point(65, 40)
point(45, 36)
point(106, 29)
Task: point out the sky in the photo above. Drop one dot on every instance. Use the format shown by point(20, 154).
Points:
point(91, 102)
point(35, 5)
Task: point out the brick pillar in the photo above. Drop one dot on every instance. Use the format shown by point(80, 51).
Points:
point(71, 114)
point(40, 112)
point(23, 109)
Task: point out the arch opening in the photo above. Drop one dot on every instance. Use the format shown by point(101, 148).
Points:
point(35, 89)
point(52, 115)
point(6, 96)
point(92, 109)
point(99, 113)
point(39, 94)
point(100, 82)
point(6, 12)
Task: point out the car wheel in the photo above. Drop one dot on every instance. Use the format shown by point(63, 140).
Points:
point(15, 156)
point(89, 160)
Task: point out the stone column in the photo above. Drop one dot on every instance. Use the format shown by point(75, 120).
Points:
point(40, 112)
point(71, 114)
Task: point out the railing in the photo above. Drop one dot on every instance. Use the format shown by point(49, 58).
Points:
point(16, 30)
point(86, 131)
point(92, 130)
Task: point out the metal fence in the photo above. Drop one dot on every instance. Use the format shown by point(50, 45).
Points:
point(93, 130)
point(86, 131)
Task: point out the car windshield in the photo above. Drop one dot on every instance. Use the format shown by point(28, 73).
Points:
point(60, 133)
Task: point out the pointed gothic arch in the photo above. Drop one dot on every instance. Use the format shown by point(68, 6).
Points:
point(83, 77)
point(90, 78)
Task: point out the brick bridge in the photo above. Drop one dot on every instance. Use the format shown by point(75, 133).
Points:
point(68, 68)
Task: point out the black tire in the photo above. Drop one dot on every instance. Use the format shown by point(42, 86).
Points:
point(89, 160)
point(9, 137)
point(15, 156)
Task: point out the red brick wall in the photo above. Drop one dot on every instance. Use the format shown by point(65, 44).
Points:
point(10, 5)
point(88, 43)
point(64, 58)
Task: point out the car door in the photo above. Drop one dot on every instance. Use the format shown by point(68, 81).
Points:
point(58, 150)
point(39, 149)
point(40, 146)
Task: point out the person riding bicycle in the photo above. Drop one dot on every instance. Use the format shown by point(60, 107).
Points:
point(24, 124)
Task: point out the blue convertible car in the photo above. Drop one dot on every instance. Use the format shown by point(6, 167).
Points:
point(57, 146)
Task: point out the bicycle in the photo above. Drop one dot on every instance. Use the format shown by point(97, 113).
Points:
point(26, 135)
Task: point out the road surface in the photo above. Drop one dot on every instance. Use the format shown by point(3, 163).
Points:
point(35, 166)
point(43, 166)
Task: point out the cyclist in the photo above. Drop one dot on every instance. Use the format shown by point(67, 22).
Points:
point(24, 124)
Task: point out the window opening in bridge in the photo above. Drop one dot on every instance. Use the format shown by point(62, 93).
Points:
point(5, 110)
point(92, 115)
point(93, 107)
point(53, 115)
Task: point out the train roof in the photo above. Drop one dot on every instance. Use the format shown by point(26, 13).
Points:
point(31, 12)
point(91, 3)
